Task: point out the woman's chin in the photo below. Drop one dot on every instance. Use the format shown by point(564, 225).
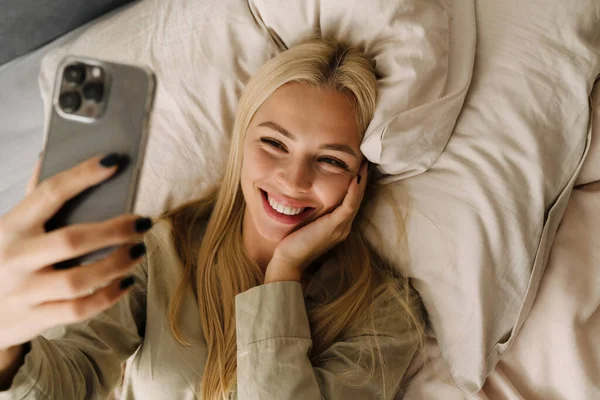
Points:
point(275, 234)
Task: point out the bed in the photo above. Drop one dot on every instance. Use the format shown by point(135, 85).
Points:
point(528, 268)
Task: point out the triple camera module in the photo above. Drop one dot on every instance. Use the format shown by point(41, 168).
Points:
point(82, 91)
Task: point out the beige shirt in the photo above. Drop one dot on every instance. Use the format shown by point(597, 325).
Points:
point(83, 360)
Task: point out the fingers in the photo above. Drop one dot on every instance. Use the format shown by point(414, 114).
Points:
point(363, 172)
point(76, 240)
point(343, 216)
point(73, 283)
point(34, 177)
point(50, 195)
point(63, 312)
point(356, 191)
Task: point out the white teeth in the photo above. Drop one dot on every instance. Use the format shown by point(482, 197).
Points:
point(283, 209)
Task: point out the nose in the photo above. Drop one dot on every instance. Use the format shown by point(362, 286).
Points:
point(294, 177)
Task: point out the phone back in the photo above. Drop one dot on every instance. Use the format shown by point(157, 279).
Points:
point(105, 111)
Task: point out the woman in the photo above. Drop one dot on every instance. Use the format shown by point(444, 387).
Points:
point(292, 302)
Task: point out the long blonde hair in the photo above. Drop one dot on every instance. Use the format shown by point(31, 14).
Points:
point(221, 268)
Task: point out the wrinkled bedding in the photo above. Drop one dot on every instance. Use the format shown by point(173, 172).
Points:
point(557, 352)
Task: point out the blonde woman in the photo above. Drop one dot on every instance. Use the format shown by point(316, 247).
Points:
point(264, 289)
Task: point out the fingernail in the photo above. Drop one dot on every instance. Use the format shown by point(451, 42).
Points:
point(137, 251)
point(358, 178)
point(143, 224)
point(110, 160)
point(127, 282)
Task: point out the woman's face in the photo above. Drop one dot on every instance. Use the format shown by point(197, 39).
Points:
point(301, 151)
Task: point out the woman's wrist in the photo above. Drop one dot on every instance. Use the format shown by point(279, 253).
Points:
point(278, 273)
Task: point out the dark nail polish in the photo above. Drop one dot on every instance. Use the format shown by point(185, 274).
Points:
point(110, 160)
point(358, 178)
point(127, 282)
point(137, 251)
point(143, 224)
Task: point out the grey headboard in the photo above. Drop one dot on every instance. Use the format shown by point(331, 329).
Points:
point(26, 25)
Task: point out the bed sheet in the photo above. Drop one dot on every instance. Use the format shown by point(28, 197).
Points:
point(557, 353)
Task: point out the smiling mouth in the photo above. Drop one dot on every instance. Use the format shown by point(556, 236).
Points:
point(289, 218)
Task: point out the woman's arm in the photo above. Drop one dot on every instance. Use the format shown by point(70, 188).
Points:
point(83, 360)
point(274, 340)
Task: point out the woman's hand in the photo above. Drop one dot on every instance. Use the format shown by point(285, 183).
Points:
point(33, 295)
point(299, 249)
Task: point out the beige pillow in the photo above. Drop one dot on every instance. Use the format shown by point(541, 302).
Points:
point(485, 214)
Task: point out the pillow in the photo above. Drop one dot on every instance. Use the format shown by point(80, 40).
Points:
point(485, 214)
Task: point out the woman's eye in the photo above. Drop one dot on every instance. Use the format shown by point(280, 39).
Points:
point(328, 160)
point(273, 143)
point(335, 162)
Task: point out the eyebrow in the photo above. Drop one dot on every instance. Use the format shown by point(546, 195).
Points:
point(330, 146)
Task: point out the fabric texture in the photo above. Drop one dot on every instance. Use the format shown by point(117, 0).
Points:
point(556, 354)
point(590, 171)
point(83, 360)
point(484, 216)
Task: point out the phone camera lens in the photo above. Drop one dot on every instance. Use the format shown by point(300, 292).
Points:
point(70, 102)
point(75, 74)
point(93, 91)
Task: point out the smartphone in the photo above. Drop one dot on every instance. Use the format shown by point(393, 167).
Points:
point(98, 107)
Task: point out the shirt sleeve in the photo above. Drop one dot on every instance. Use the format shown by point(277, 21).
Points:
point(83, 360)
point(274, 341)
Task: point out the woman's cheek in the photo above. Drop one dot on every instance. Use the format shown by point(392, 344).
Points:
point(332, 189)
point(259, 166)
point(264, 161)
